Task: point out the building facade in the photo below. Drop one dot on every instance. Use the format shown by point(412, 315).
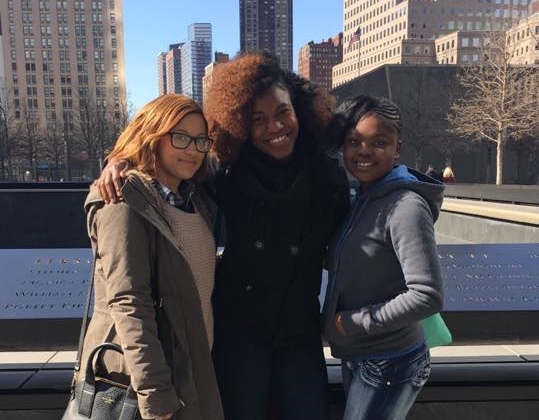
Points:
point(524, 40)
point(161, 73)
point(219, 58)
point(173, 69)
point(379, 32)
point(316, 60)
point(195, 56)
point(266, 25)
point(59, 60)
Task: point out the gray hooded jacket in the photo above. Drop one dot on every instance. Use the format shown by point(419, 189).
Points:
point(385, 274)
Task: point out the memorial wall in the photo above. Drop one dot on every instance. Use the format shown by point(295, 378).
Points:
point(491, 290)
point(45, 264)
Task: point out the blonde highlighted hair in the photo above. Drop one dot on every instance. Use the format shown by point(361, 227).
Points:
point(138, 142)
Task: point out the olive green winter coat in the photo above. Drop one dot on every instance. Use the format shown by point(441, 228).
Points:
point(134, 244)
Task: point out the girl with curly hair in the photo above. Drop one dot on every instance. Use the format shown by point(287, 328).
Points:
point(281, 198)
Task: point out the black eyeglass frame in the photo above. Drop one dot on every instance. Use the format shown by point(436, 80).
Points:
point(199, 141)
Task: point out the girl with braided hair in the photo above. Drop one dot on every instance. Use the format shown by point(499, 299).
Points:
point(384, 271)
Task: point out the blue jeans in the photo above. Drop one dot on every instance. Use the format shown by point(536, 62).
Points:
point(384, 389)
point(256, 379)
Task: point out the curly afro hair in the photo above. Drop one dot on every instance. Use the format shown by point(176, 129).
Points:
point(237, 83)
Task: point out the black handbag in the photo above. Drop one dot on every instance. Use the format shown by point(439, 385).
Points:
point(99, 398)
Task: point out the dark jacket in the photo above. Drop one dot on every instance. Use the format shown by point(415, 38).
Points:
point(135, 245)
point(279, 218)
point(385, 275)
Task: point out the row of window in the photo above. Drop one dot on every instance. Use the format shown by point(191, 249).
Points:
point(48, 79)
point(451, 25)
point(62, 5)
point(353, 25)
point(100, 94)
point(47, 55)
point(366, 5)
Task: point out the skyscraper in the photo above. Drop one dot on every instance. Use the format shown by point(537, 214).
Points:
point(62, 74)
point(266, 25)
point(196, 54)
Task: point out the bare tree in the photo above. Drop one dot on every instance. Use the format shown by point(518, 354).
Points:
point(4, 138)
point(98, 127)
point(7, 136)
point(55, 149)
point(500, 100)
point(30, 149)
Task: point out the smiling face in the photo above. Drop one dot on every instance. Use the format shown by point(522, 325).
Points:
point(274, 125)
point(175, 165)
point(370, 150)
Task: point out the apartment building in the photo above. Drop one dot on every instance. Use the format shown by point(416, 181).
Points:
point(53, 53)
point(471, 47)
point(316, 60)
point(462, 47)
point(378, 32)
point(524, 40)
point(266, 25)
point(219, 58)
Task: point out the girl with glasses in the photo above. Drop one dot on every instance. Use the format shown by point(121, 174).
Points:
point(158, 237)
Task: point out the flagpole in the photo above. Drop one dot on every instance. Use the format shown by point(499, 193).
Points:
point(359, 58)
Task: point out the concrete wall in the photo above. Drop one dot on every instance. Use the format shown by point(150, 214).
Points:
point(469, 229)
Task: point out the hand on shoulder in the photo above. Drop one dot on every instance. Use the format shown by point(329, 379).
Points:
point(110, 181)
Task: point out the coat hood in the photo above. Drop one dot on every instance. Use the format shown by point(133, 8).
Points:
point(401, 177)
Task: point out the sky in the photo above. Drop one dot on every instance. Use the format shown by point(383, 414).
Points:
point(151, 26)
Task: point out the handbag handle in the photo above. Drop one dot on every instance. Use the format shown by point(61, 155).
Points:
point(88, 392)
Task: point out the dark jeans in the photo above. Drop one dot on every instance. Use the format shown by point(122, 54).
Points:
point(384, 389)
point(254, 379)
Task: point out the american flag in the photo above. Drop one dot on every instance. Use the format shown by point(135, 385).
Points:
point(355, 37)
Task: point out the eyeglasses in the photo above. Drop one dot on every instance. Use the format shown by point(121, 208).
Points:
point(181, 140)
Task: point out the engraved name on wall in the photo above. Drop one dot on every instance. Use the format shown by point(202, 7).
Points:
point(44, 283)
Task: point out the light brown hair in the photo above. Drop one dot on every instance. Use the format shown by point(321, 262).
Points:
point(138, 142)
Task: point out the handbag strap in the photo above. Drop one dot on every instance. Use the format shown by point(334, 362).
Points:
point(86, 313)
point(158, 303)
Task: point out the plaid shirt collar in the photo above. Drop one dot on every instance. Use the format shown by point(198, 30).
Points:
point(176, 200)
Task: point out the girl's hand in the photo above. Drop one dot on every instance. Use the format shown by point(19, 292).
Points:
point(338, 323)
point(109, 182)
